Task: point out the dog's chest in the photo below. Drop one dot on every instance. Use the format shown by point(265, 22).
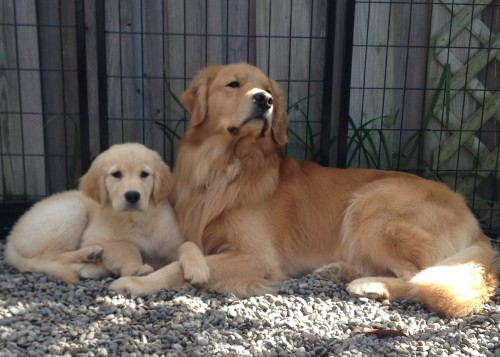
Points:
point(142, 237)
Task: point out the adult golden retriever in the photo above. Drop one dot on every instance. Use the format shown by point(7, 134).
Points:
point(118, 222)
point(260, 216)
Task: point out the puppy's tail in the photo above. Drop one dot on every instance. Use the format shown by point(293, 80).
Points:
point(52, 268)
point(460, 284)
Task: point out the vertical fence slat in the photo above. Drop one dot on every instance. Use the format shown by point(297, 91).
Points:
point(92, 58)
point(237, 29)
point(10, 118)
point(58, 61)
point(153, 84)
point(388, 74)
point(21, 118)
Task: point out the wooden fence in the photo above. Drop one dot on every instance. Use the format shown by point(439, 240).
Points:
point(399, 116)
point(152, 49)
point(424, 94)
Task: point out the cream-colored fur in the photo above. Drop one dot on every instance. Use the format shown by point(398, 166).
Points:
point(118, 222)
point(261, 216)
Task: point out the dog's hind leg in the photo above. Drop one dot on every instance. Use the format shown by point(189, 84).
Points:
point(88, 254)
point(91, 270)
point(381, 288)
point(337, 271)
point(122, 258)
point(456, 286)
point(460, 284)
point(56, 264)
point(67, 265)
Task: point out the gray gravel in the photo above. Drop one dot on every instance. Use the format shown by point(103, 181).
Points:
point(309, 317)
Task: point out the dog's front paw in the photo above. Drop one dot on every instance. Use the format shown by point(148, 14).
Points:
point(193, 264)
point(196, 273)
point(135, 286)
point(368, 287)
point(127, 286)
point(139, 270)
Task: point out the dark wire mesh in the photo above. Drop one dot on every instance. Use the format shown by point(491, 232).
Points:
point(77, 76)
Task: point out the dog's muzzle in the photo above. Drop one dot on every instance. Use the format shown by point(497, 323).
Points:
point(263, 100)
point(132, 198)
point(261, 110)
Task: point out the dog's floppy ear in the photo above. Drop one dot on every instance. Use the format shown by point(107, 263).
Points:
point(195, 97)
point(162, 181)
point(280, 116)
point(92, 183)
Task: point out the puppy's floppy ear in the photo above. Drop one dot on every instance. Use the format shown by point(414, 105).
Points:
point(195, 97)
point(280, 116)
point(92, 183)
point(162, 181)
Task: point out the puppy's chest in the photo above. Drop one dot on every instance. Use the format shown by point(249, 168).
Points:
point(142, 237)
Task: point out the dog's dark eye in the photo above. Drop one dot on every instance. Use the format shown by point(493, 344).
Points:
point(144, 174)
point(232, 130)
point(117, 174)
point(234, 84)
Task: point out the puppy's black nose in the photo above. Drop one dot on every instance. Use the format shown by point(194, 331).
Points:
point(263, 99)
point(132, 196)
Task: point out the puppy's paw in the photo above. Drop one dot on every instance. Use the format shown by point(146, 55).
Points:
point(127, 286)
point(69, 277)
point(139, 270)
point(93, 254)
point(196, 273)
point(135, 286)
point(368, 287)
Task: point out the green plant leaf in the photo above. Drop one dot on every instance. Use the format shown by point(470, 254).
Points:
point(171, 92)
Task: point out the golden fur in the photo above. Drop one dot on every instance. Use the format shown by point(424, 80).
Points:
point(261, 216)
point(119, 222)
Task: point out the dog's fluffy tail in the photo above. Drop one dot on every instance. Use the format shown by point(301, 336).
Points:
point(460, 284)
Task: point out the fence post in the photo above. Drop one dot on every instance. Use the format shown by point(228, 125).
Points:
point(345, 85)
point(337, 80)
point(326, 111)
point(102, 85)
point(81, 50)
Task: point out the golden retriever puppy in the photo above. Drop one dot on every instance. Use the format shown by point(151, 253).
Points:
point(119, 222)
point(261, 216)
point(47, 238)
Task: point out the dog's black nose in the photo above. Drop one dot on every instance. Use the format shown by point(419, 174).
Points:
point(263, 100)
point(132, 196)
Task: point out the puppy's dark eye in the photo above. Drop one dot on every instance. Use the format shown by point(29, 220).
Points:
point(232, 130)
point(144, 174)
point(117, 174)
point(233, 84)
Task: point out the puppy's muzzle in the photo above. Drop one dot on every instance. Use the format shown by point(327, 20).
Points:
point(132, 197)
